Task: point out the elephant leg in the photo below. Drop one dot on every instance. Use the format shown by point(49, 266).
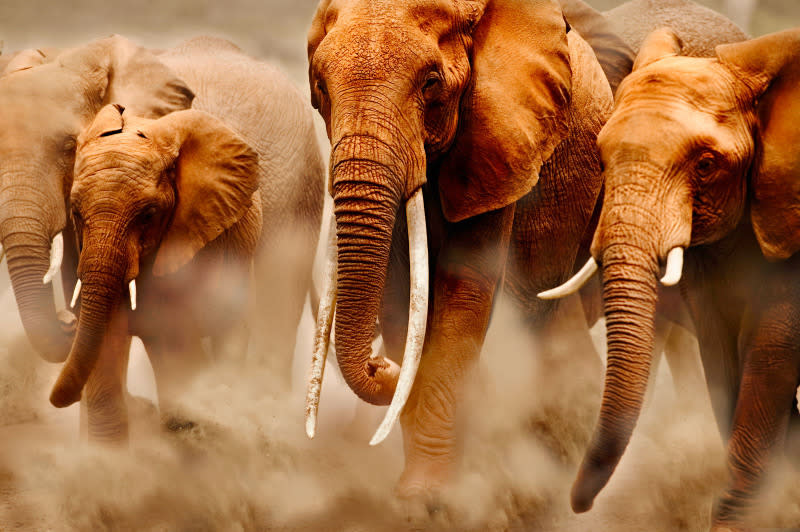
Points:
point(469, 268)
point(718, 353)
point(769, 383)
point(231, 345)
point(176, 362)
point(105, 391)
point(568, 383)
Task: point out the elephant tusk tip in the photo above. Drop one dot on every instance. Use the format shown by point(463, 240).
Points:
point(380, 435)
point(547, 294)
point(311, 427)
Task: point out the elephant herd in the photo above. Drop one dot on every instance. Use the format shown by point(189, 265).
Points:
point(477, 147)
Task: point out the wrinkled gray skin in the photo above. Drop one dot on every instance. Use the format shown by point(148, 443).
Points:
point(43, 107)
point(263, 106)
point(209, 295)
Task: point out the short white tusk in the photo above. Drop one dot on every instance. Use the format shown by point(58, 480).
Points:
point(56, 256)
point(674, 267)
point(322, 334)
point(132, 289)
point(417, 313)
point(2, 252)
point(574, 284)
point(75, 294)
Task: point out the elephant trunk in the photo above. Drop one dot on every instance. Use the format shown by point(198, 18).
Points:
point(102, 273)
point(632, 239)
point(27, 245)
point(367, 192)
point(629, 293)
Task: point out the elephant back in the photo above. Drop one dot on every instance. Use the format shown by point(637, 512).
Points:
point(635, 20)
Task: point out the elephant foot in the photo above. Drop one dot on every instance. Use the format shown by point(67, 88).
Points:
point(424, 511)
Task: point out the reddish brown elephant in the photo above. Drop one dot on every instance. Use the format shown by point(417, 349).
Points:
point(701, 155)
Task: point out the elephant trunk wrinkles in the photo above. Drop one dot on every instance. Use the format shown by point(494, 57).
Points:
point(367, 191)
point(629, 294)
point(27, 244)
point(102, 272)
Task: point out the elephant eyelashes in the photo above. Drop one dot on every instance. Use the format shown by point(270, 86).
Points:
point(706, 165)
point(432, 82)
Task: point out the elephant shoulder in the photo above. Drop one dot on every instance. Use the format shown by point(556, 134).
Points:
point(636, 19)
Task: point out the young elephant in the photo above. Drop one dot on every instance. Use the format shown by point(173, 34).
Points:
point(702, 155)
point(179, 220)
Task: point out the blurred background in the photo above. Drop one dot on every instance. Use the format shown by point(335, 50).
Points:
point(272, 29)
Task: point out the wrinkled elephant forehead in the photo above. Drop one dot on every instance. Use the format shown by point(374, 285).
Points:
point(128, 151)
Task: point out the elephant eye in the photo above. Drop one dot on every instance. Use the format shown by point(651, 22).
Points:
point(323, 90)
point(706, 164)
point(148, 214)
point(432, 81)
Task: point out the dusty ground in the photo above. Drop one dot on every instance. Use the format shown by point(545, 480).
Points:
point(247, 464)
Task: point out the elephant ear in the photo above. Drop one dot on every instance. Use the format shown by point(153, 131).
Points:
point(23, 60)
point(659, 44)
point(612, 52)
point(771, 65)
point(514, 111)
point(316, 33)
point(130, 75)
point(215, 176)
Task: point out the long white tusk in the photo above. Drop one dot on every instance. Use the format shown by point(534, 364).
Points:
point(674, 267)
point(132, 290)
point(56, 256)
point(417, 314)
point(75, 294)
point(574, 284)
point(322, 335)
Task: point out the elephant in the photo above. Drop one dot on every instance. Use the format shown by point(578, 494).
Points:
point(701, 161)
point(176, 220)
point(463, 161)
point(44, 105)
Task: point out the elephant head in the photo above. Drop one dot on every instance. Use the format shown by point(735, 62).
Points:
point(467, 96)
point(44, 104)
point(692, 146)
point(148, 195)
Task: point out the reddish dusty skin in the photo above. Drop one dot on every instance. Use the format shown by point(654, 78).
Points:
point(493, 109)
point(392, 84)
point(681, 170)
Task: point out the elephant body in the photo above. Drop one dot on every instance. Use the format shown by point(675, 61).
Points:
point(232, 195)
point(700, 154)
point(486, 113)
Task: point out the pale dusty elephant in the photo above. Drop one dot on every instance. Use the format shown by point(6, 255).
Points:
point(701, 155)
point(182, 220)
point(43, 108)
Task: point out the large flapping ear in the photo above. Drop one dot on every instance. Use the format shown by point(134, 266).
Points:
point(131, 76)
point(771, 66)
point(612, 52)
point(514, 111)
point(216, 175)
point(659, 44)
